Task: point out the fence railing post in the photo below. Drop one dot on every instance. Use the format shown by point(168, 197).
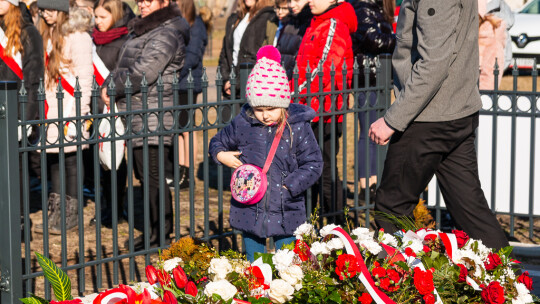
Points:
point(245, 69)
point(10, 238)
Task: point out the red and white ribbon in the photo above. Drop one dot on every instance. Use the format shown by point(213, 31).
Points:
point(15, 61)
point(365, 276)
point(100, 69)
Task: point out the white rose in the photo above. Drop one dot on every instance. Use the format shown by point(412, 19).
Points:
point(326, 229)
point(293, 275)
point(415, 244)
point(361, 233)
point(335, 244)
point(283, 259)
point(389, 240)
point(372, 246)
point(304, 229)
point(319, 248)
point(280, 291)
point(171, 264)
point(221, 267)
point(222, 288)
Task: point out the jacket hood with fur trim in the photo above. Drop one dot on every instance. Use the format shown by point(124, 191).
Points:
point(140, 26)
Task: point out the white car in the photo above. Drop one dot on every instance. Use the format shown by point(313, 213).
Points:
point(526, 35)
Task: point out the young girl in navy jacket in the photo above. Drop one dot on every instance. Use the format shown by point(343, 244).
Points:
point(297, 163)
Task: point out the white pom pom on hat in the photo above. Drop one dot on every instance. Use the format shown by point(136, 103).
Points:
point(267, 84)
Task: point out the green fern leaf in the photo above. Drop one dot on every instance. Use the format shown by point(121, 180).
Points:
point(57, 277)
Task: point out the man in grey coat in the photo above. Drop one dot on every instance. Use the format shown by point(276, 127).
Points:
point(431, 125)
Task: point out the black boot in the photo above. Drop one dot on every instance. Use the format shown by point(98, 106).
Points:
point(54, 212)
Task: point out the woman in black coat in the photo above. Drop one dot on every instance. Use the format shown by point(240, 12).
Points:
point(25, 62)
point(374, 36)
point(110, 33)
point(200, 25)
point(291, 36)
point(253, 25)
point(156, 44)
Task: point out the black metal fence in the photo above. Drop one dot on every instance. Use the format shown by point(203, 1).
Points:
point(94, 256)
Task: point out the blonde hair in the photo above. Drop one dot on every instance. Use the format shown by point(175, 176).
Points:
point(78, 20)
point(114, 7)
point(13, 23)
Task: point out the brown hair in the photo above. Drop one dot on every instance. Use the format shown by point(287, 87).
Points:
point(187, 7)
point(56, 37)
point(13, 23)
point(389, 7)
point(280, 2)
point(114, 7)
point(207, 16)
point(242, 9)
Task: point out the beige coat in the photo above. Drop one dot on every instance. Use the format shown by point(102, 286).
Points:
point(491, 43)
point(77, 48)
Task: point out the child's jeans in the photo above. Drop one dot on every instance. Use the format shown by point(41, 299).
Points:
point(254, 244)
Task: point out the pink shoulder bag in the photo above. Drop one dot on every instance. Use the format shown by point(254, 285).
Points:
point(248, 182)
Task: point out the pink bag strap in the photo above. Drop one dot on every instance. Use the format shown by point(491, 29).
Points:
point(273, 148)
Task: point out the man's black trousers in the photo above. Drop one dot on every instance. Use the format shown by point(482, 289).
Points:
point(447, 150)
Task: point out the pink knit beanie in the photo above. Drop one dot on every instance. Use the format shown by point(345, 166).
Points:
point(267, 84)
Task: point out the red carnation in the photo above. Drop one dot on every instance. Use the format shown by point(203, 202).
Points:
point(410, 252)
point(365, 298)
point(493, 293)
point(180, 278)
point(463, 272)
point(494, 260)
point(346, 266)
point(429, 299)
point(191, 289)
point(378, 272)
point(393, 275)
point(423, 280)
point(426, 249)
point(462, 237)
point(385, 283)
point(430, 237)
point(526, 279)
point(302, 249)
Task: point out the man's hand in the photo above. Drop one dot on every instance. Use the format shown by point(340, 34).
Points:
point(380, 132)
point(229, 158)
point(105, 97)
point(227, 87)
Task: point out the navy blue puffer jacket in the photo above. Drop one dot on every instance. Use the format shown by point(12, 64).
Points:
point(198, 39)
point(297, 165)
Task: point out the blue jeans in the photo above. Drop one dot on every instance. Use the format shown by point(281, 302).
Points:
point(253, 244)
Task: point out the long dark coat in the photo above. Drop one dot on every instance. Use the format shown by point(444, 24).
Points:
point(297, 165)
point(156, 43)
point(252, 40)
point(198, 39)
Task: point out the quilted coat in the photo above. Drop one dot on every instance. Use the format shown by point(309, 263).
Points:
point(297, 165)
point(198, 39)
point(156, 43)
point(311, 50)
point(374, 36)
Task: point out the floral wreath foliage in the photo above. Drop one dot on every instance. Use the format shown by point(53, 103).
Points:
point(332, 265)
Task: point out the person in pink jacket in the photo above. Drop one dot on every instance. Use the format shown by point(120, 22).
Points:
point(491, 43)
point(68, 53)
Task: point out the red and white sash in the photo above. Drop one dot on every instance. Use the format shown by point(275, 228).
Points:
point(100, 70)
point(14, 62)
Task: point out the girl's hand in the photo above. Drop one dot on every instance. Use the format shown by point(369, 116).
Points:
point(229, 158)
point(227, 88)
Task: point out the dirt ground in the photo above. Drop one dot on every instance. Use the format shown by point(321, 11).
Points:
point(216, 216)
